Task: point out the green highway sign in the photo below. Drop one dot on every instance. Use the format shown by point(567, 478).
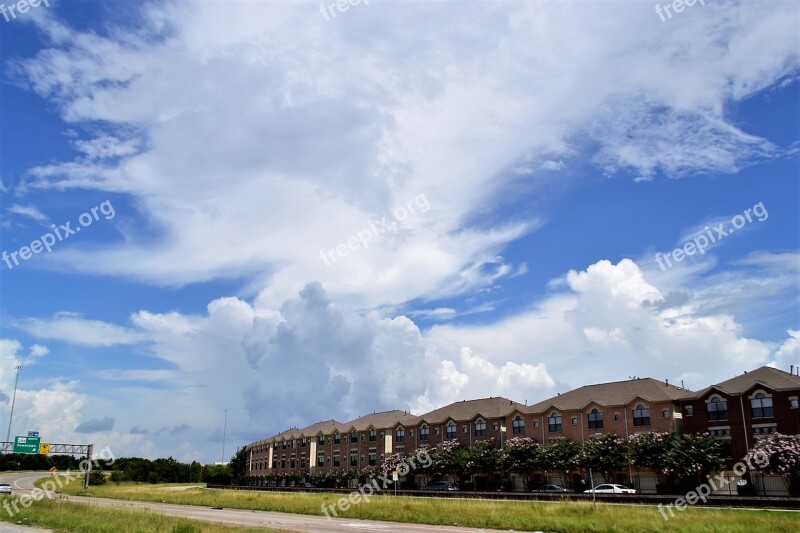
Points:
point(26, 444)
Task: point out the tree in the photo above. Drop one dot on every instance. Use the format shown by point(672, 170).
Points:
point(779, 455)
point(605, 454)
point(693, 457)
point(447, 458)
point(238, 462)
point(649, 450)
point(520, 456)
point(561, 456)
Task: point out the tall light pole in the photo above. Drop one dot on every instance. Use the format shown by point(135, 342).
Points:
point(224, 435)
point(13, 401)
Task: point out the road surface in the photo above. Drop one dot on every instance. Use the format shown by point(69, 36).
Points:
point(22, 482)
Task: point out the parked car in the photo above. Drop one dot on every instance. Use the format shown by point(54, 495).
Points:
point(549, 488)
point(608, 488)
point(307, 485)
point(5, 488)
point(442, 485)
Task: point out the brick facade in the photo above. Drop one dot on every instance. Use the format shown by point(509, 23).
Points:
point(769, 397)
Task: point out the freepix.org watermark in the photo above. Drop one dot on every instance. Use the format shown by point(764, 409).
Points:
point(48, 240)
point(23, 6)
point(421, 459)
point(340, 5)
point(363, 237)
point(702, 492)
point(677, 6)
point(58, 480)
point(706, 239)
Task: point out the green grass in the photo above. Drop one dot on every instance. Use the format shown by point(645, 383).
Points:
point(60, 515)
point(572, 517)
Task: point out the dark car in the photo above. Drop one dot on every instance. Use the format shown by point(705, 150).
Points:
point(442, 485)
point(550, 488)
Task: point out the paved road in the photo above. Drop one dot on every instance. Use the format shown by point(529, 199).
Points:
point(23, 483)
point(6, 527)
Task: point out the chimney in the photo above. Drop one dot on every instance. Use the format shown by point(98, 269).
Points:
point(682, 385)
point(667, 382)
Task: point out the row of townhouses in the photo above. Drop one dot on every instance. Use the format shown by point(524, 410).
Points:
point(737, 412)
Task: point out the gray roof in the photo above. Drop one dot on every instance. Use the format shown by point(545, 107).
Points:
point(766, 376)
point(613, 394)
point(492, 407)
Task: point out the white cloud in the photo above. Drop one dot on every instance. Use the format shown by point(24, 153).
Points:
point(75, 329)
point(362, 116)
point(29, 211)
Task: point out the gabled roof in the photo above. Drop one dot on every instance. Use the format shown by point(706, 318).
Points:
point(326, 427)
point(493, 407)
point(766, 376)
point(386, 419)
point(612, 394)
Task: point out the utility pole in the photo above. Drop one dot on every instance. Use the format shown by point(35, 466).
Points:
point(13, 402)
point(224, 435)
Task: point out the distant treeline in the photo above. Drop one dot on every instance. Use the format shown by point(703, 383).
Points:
point(167, 470)
point(23, 461)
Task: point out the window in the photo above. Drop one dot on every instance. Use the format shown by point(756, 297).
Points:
point(761, 405)
point(337, 438)
point(399, 449)
point(401, 434)
point(480, 428)
point(574, 420)
point(665, 413)
point(595, 419)
point(304, 442)
point(535, 423)
point(373, 435)
point(353, 457)
point(451, 430)
point(337, 459)
point(518, 426)
point(424, 432)
point(554, 422)
point(373, 457)
point(291, 462)
point(717, 409)
point(793, 402)
point(641, 416)
point(354, 436)
point(689, 410)
point(495, 425)
point(617, 417)
point(321, 440)
point(283, 463)
point(321, 459)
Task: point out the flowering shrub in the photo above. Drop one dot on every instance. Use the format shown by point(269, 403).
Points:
point(605, 453)
point(783, 452)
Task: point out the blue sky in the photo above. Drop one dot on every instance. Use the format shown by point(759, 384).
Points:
point(548, 151)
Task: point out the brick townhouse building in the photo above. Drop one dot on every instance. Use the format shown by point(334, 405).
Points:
point(736, 411)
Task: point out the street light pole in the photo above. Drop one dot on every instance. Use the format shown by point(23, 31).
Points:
point(224, 435)
point(13, 402)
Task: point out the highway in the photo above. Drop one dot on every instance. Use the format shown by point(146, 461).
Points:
point(22, 483)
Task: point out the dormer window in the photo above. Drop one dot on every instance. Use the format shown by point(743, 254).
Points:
point(480, 428)
point(761, 405)
point(717, 409)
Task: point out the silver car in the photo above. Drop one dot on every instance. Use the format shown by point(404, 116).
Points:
point(5, 488)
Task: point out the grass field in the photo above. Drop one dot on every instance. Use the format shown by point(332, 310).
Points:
point(571, 517)
point(63, 516)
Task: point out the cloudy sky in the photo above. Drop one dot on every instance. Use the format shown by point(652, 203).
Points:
point(299, 212)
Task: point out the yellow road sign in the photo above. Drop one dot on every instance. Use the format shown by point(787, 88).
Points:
point(44, 448)
point(53, 470)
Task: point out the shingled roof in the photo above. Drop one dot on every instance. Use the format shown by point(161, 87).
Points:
point(492, 407)
point(767, 376)
point(385, 419)
point(611, 394)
